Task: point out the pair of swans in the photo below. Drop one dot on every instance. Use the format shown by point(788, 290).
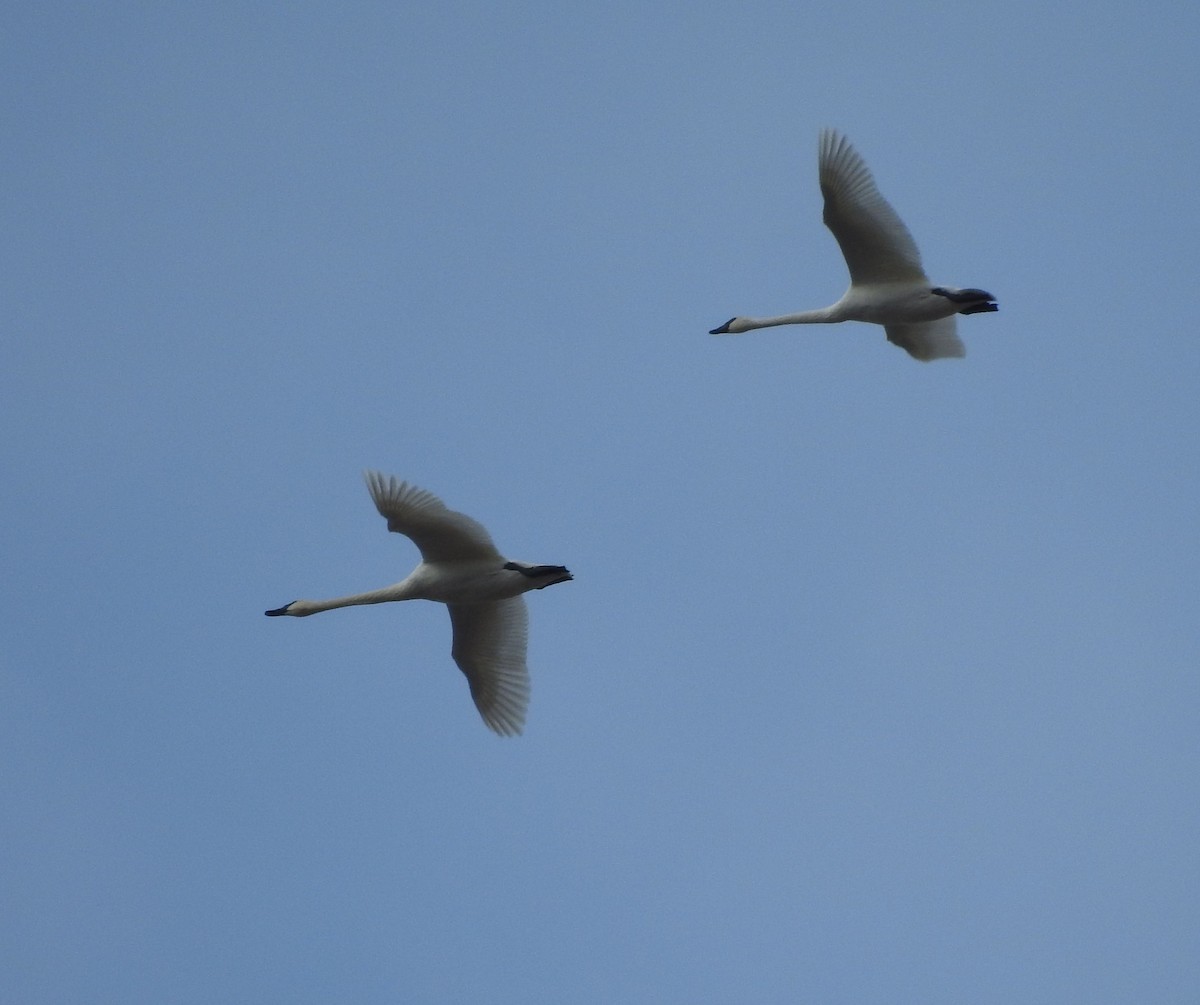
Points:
point(461, 567)
point(888, 285)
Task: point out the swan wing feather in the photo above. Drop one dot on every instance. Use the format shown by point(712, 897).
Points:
point(441, 534)
point(928, 340)
point(489, 648)
point(875, 243)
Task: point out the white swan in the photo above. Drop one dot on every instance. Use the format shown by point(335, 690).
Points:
point(461, 568)
point(888, 286)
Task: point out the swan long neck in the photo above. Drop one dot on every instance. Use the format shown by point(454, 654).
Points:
point(822, 315)
point(302, 608)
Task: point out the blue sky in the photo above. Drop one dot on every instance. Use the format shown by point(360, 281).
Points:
point(877, 680)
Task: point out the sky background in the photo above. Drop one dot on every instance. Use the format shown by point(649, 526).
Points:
point(877, 681)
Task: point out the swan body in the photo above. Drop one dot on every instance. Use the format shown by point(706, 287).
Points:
point(888, 285)
point(461, 568)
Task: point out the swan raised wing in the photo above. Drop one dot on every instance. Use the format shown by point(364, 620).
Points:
point(441, 534)
point(875, 243)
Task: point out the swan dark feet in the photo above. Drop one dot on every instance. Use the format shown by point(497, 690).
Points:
point(551, 573)
point(973, 301)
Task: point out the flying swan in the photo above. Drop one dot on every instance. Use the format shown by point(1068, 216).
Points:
point(461, 568)
point(888, 286)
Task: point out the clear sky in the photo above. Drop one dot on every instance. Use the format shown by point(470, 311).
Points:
point(877, 681)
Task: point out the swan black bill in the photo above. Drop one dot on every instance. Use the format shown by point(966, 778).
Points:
point(278, 611)
point(724, 329)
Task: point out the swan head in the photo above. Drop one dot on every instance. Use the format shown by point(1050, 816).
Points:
point(734, 326)
point(295, 609)
point(968, 301)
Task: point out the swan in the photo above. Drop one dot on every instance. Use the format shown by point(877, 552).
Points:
point(461, 568)
point(888, 286)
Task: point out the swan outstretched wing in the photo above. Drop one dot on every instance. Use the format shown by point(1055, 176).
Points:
point(928, 340)
point(489, 647)
point(442, 534)
point(875, 243)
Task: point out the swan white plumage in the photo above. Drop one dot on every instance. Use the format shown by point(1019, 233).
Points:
point(461, 568)
point(888, 285)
